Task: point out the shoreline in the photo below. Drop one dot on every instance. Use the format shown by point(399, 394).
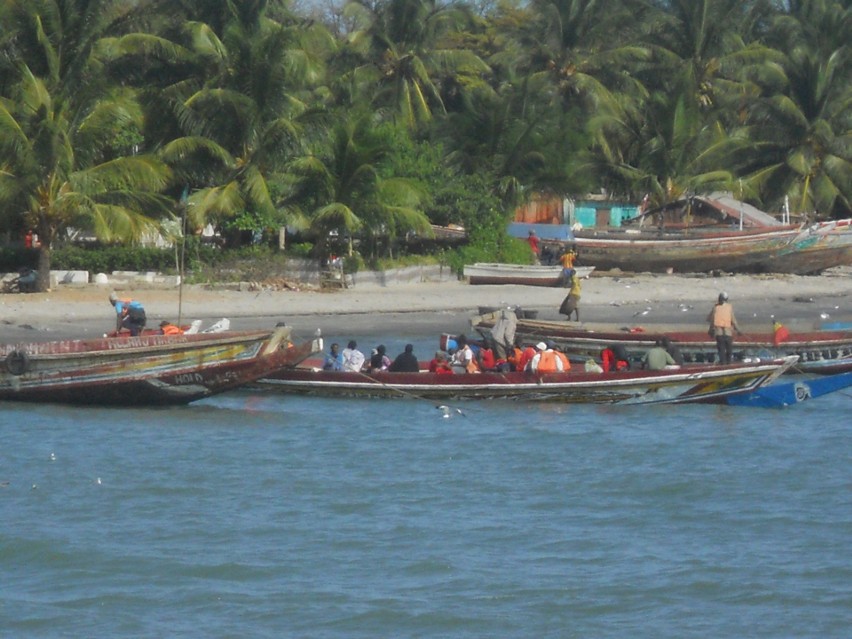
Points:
point(427, 308)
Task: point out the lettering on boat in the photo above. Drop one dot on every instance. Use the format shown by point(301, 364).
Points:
point(148, 340)
point(189, 378)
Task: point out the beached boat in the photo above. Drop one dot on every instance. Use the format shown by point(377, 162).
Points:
point(715, 232)
point(823, 352)
point(689, 384)
point(814, 249)
point(525, 274)
point(145, 370)
point(683, 251)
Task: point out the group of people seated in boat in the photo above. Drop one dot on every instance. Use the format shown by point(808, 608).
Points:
point(464, 357)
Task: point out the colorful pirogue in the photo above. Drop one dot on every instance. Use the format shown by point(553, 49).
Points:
point(146, 370)
point(689, 384)
point(823, 352)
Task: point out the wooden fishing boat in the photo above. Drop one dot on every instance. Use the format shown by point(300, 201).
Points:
point(524, 274)
point(783, 394)
point(689, 384)
point(715, 232)
point(145, 370)
point(814, 249)
point(823, 352)
point(683, 251)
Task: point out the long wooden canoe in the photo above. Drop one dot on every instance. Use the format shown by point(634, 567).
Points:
point(689, 384)
point(146, 370)
point(823, 352)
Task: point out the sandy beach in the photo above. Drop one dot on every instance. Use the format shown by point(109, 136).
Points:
point(429, 308)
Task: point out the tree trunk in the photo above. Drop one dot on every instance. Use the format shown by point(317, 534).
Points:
point(43, 280)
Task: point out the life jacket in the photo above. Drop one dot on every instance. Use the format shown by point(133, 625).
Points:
point(780, 333)
point(486, 356)
point(526, 356)
point(547, 362)
point(723, 315)
point(566, 364)
point(171, 329)
point(607, 360)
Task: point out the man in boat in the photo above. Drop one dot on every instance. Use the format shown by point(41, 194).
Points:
point(464, 360)
point(167, 328)
point(723, 324)
point(129, 314)
point(440, 364)
point(333, 360)
point(353, 359)
point(658, 358)
point(406, 361)
point(548, 360)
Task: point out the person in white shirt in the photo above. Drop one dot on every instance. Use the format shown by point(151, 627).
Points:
point(353, 359)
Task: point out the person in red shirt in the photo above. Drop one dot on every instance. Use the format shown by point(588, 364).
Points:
point(440, 365)
point(534, 245)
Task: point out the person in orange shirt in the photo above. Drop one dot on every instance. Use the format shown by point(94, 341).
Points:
point(723, 325)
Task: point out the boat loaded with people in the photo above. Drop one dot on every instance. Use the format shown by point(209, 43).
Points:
point(688, 384)
point(823, 352)
point(145, 370)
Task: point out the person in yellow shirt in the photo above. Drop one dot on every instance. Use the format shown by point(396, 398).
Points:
point(571, 303)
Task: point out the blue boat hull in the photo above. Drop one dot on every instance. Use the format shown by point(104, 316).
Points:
point(789, 393)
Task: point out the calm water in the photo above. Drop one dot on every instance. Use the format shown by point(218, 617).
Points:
point(252, 515)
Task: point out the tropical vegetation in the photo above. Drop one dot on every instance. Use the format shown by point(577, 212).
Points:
point(359, 124)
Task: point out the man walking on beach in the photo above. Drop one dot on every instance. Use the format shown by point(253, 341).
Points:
point(722, 325)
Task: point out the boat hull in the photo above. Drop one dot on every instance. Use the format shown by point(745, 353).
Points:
point(703, 384)
point(520, 274)
point(821, 352)
point(146, 370)
point(815, 249)
point(781, 395)
point(682, 252)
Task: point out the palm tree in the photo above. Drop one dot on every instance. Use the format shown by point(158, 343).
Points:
point(407, 57)
point(242, 125)
point(801, 126)
point(343, 186)
point(69, 139)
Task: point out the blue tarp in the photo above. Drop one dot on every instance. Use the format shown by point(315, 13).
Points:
point(560, 232)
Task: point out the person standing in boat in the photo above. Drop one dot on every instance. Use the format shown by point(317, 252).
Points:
point(723, 325)
point(129, 314)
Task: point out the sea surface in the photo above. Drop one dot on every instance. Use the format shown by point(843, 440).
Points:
point(262, 515)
